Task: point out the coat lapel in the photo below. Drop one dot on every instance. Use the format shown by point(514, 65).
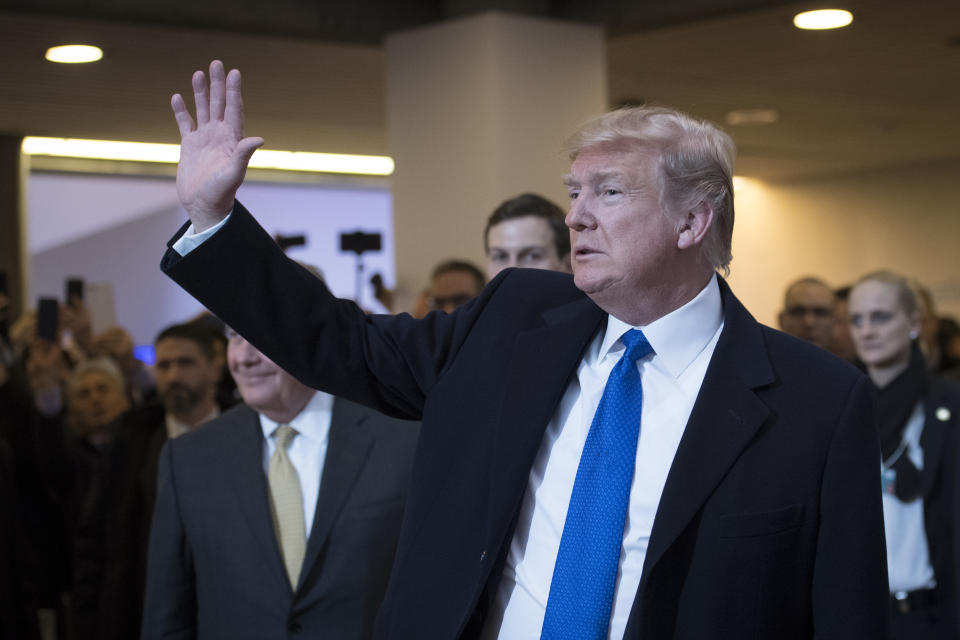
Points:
point(725, 417)
point(543, 361)
point(249, 482)
point(935, 428)
point(347, 450)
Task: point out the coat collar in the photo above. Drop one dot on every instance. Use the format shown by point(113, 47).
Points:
point(725, 418)
point(250, 487)
point(542, 363)
point(350, 444)
point(940, 414)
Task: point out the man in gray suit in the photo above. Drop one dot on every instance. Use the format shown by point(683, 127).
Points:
point(259, 533)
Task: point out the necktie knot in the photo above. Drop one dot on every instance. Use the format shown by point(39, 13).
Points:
point(636, 344)
point(284, 435)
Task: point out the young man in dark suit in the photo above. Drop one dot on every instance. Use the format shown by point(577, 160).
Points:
point(623, 454)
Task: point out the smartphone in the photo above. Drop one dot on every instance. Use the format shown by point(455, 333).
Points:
point(74, 295)
point(48, 318)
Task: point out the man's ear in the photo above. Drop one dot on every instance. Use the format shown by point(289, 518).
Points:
point(695, 225)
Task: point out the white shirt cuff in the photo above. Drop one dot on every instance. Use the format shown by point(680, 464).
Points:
point(191, 240)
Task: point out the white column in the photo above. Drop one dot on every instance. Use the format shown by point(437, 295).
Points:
point(478, 110)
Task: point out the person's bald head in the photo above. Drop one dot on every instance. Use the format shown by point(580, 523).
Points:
point(808, 311)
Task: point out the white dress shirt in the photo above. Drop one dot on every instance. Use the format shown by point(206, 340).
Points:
point(683, 343)
point(307, 451)
point(908, 554)
point(190, 239)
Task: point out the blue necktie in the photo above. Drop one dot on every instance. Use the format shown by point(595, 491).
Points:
point(584, 577)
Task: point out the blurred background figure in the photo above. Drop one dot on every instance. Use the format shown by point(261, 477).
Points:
point(929, 339)
point(527, 231)
point(111, 554)
point(18, 613)
point(918, 422)
point(842, 343)
point(96, 400)
point(452, 283)
point(117, 344)
point(808, 311)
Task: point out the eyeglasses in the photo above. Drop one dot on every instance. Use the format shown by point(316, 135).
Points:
point(455, 300)
point(800, 311)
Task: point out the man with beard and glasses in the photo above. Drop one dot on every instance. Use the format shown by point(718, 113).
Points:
point(114, 531)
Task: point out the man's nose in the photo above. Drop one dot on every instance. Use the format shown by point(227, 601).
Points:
point(577, 216)
point(174, 372)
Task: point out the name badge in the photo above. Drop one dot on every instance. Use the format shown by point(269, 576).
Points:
point(888, 481)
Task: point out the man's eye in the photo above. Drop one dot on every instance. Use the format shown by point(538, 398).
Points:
point(574, 193)
point(610, 191)
point(856, 320)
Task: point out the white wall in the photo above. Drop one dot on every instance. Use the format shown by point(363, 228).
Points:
point(114, 229)
point(840, 228)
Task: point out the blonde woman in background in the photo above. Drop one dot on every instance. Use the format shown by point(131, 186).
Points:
point(917, 428)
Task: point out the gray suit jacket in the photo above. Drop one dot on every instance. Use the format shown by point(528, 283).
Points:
point(215, 569)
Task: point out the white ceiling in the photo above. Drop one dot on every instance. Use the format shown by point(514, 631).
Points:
point(883, 92)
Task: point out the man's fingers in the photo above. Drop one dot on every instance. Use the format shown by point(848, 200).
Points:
point(245, 149)
point(184, 121)
point(200, 98)
point(217, 90)
point(234, 109)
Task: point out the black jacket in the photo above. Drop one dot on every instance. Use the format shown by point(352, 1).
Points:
point(770, 523)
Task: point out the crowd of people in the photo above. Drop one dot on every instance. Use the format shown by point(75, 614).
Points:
point(83, 423)
point(216, 494)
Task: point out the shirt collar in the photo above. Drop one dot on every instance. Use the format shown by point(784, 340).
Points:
point(677, 337)
point(313, 421)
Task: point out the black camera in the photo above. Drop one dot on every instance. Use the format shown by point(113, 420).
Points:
point(359, 242)
point(285, 242)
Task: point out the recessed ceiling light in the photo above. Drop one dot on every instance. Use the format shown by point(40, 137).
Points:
point(739, 117)
point(74, 53)
point(823, 19)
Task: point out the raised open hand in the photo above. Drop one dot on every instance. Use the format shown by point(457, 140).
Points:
point(213, 152)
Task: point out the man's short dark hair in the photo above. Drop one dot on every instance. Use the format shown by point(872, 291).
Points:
point(203, 336)
point(448, 266)
point(530, 204)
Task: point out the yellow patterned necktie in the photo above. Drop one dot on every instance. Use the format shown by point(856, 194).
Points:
point(286, 502)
